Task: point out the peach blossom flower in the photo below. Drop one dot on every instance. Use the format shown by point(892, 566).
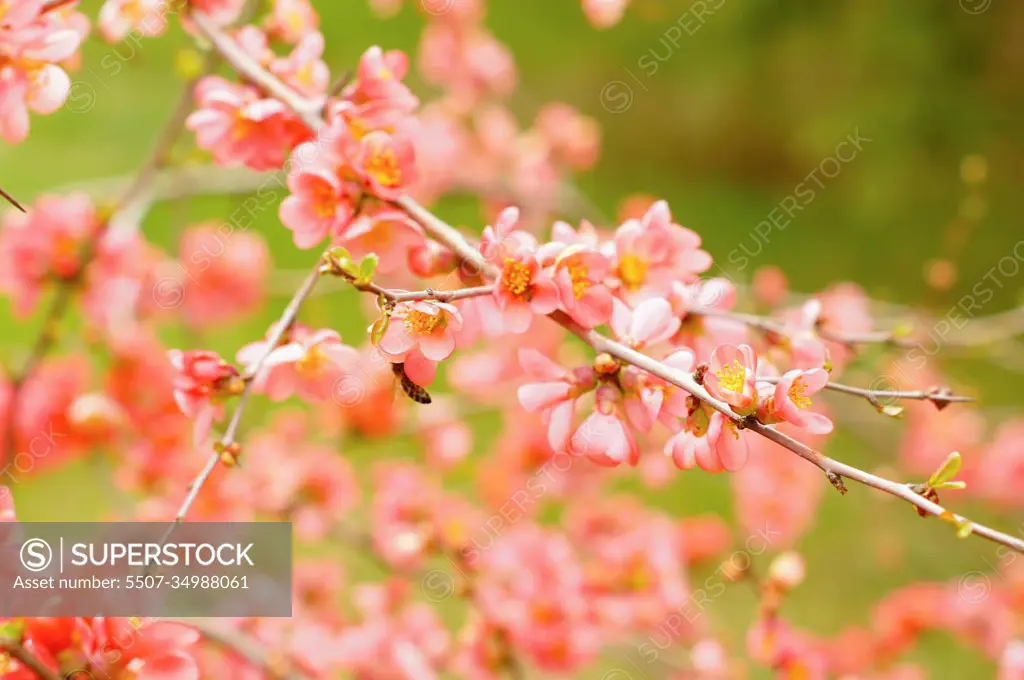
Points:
point(732, 377)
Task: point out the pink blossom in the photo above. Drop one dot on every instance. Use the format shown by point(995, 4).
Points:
point(533, 585)
point(732, 376)
point(320, 204)
point(553, 395)
point(304, 69)
point(579, 275)
point(604, 436)
point(290, 20)
point(31, 46)
point(389, 234)
point(239, 127)
point(574, 139)
point(220, 12)
point(651, 322)
point(47, 241)
point(309, 363)
point(653, 252)
point(201, 379)
point(118, 18)
point(387, 163)
point(505, 239)
point(710, 441)
point(604, 13)
point(792, 397)
point(222, 274)
point(782, 491)
point(427, 325)
point(649, 399)
point(524, 289)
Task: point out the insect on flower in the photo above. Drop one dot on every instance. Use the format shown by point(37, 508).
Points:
point(411, 389)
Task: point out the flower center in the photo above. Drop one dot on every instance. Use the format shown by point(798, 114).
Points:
point(515, 278)
point(324, 200)
point(796, 394)
point(134, 11)
point(310, 364)
point(383, 167)
point(580, 282)
point(732, 376)
point(244, 127)
point(422, 323)
point(546, 613)
point(632, 271)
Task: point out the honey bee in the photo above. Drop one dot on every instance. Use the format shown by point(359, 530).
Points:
point(11, 200)
point(411, 389)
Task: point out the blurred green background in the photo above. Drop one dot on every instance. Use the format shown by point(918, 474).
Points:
point(734, 118)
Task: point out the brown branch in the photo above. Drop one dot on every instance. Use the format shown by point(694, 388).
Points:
point(27, 659)
point(125, 214)
point(10, 199)
point(396, 296)
point(454, 241)
point(283, 326)
point(774, 327)
point(939, 396)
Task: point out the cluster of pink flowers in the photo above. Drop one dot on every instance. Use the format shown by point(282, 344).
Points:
point(34, 45)
point(552, 596)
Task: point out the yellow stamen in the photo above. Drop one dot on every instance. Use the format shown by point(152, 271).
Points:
point(422, 323)
point(311, 364)
point(632, 271)
point(796, 394)
point(732, 376)
point(580, 282)
point(515, 278)
point(383, 166)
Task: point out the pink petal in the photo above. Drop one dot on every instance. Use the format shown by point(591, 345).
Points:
point(539, 366)
point(437, 347)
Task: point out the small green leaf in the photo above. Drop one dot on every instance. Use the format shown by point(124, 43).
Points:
point(12, 630)
point(947, 471)
point(347, 266)
point(339, 253)
point(367, 267)
point(950, 485)
point(379, 328)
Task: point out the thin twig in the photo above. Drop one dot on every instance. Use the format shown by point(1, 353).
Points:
point(774, 327)
point(283, 326)
point(396, 296)
point(12, 200)
point(938, 396)
point(126, 214)
point(27, 659)
point(450, 237)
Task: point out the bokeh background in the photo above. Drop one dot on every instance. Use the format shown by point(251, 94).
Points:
point(734, 117)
